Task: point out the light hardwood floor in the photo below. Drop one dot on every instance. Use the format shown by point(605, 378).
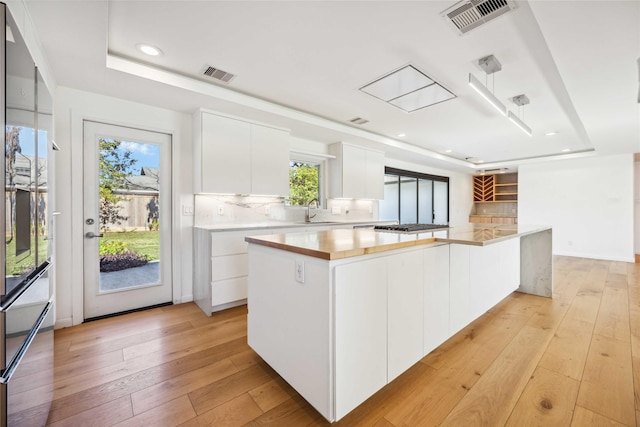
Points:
point(573, 360)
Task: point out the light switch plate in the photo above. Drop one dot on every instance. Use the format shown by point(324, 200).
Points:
point(220, 210)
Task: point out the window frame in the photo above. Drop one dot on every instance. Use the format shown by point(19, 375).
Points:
point(400, 173)
point(322, 176)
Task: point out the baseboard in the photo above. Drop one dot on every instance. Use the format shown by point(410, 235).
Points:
point(63, 323)
point(228, 305)
point(599, 257)
point(186, 298)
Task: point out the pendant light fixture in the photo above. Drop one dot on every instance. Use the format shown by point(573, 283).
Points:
point(520, 101)
point(489, 65)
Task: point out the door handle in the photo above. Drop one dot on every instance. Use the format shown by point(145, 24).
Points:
point(91, 235)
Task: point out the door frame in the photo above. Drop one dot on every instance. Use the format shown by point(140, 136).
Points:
point(153, 293)
point(89, 111)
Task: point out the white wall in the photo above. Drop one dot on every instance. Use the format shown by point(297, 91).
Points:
point(637, 205)
point(71, 108)
point(460, 188)
point(588, 202)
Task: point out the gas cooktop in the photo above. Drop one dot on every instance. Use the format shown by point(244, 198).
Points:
point(409, 228)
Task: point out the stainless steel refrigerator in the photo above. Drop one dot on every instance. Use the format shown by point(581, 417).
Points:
point(26, 293)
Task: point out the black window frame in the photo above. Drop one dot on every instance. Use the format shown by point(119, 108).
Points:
point(400, 173)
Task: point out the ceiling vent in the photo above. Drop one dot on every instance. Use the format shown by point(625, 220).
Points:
point(469, 14)
point(218, 74)
point(359, 121)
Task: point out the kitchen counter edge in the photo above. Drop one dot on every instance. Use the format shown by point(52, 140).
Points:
point(402, 241)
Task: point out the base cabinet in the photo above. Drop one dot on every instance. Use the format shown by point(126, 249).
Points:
point(436, 297)
point(480, 277)
point(405, 293)
point(355, 324)
point(360, 333)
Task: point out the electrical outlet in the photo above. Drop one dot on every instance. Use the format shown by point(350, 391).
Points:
point(299, 271)
point(220, 210)
point(335, 210)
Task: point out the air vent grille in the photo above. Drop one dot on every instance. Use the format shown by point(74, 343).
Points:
point(469, 14)
point(218, 74)
point(359, 121)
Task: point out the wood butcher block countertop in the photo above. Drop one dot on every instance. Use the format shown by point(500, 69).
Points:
point(345, 243)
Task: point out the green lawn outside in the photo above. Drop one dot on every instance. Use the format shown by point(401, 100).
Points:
point(141, 242)
point(15, 269)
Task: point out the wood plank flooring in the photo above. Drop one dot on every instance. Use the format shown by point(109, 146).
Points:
point(573, 360)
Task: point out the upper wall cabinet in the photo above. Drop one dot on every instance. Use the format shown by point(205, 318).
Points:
point(239, 157)
point(356, 172)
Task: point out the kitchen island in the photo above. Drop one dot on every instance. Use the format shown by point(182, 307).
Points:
point(341, 313)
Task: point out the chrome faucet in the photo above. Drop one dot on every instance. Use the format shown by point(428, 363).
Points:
point(309, 216)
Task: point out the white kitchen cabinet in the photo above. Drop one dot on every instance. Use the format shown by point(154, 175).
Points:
point(289, 323)
point(221, 265)
point(360, 332)
point(405, 292)
point(374, 173)
point(436, 297)
point(356, 172)
point(225, 155)
point(460, 305)
point(239, 157)
point(481, 276)
point(269, 161)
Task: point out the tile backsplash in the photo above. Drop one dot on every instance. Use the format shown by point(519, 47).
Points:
point(212, 209)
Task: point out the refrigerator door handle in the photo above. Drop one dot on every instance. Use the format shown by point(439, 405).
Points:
point(11, 367)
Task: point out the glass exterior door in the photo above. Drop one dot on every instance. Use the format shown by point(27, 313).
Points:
point(127, 219)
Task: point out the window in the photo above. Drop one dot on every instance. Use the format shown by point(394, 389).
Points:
point(304, 182)
point(413, 197)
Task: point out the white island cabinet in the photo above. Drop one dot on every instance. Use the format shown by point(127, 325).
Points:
point(341, 313)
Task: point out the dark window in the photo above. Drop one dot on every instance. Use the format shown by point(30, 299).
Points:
point(413, 197)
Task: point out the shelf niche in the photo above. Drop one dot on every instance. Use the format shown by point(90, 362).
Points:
point(496, 188)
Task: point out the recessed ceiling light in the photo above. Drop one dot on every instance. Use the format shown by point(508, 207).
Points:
point(402, 135)
point(553, 132)
point(448, 151)
point(480, 161)
point(147, 49)
point(566, 150)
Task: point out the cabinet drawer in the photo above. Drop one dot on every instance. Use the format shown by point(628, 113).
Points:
point(502, 220)
point(228, 267)
point(479, 219)
point(226, 291)
point(228, 243)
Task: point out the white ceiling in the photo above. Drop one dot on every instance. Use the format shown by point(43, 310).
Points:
point(575, 60)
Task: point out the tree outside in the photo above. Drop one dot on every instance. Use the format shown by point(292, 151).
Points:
point(121, 249)
point(303, 183)
point(114, 167)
